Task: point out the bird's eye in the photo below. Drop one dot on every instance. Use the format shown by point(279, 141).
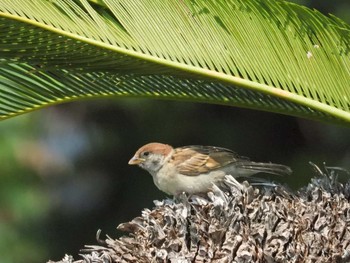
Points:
point(145, 154)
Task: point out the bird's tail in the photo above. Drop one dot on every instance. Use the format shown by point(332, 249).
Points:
point(271, 168)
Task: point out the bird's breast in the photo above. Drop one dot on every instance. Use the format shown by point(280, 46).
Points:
point(170, 181)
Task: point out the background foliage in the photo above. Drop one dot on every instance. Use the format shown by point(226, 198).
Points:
point(64, 171)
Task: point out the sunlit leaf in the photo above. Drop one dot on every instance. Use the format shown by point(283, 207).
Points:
point(262, 54)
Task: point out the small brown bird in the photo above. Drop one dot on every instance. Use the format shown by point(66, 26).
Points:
point(193, 169)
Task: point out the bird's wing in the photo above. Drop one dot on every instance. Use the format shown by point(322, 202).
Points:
point(195, 159)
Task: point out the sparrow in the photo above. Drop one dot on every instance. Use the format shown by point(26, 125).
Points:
point(193, 169)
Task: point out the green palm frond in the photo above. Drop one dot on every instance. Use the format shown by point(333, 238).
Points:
point(261, 54)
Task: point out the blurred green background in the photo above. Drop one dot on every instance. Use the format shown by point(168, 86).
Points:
point(64, 171)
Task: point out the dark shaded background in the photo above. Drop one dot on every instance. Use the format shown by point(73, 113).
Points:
point(64, 171)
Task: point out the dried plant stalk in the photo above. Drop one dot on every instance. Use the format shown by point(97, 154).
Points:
point(238, 223)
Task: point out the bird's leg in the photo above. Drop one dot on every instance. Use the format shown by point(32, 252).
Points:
point(181, 197)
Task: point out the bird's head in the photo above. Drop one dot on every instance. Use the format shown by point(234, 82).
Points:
point(151, 156)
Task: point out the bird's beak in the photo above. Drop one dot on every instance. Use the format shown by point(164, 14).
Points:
point(136, 160)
